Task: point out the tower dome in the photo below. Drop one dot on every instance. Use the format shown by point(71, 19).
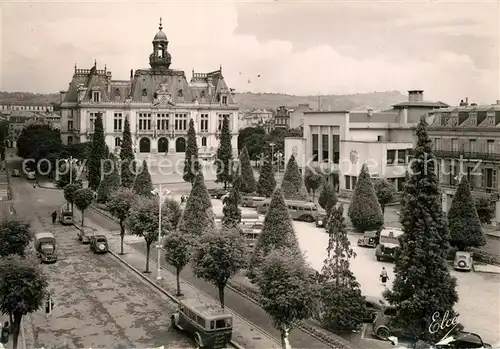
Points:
point(160, 36)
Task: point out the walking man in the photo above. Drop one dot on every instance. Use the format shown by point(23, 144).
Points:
point(383, 276)
point(54, 217)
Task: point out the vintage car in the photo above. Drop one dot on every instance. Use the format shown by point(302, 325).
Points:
point(381, 322)
point(459, 340)
point(370, 239)
point(66, 214)
point(463, 261)
point(209, 325)
point(251, 201)
point(84, 234)
point(373, 306)
point(98, 243)
point(321, 221)
point(16, 173)
point(217, 193)
point(31, 175)
point(45, 247)
point(388, 244)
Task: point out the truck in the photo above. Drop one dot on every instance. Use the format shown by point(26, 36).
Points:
point(45, 247)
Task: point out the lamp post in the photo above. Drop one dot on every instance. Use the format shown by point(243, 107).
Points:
point(70, 163)
point(278, 156)
point(160, 193)
point(272, 144)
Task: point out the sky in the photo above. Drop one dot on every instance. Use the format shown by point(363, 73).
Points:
point(449, 49)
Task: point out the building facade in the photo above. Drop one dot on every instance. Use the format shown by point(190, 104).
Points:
point(297, 115)
point(159, 102)
point(466, 141)
point(27, 106)
point(334, 143)
point(282, 118)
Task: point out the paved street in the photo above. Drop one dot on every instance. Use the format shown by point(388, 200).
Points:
point(98, 303)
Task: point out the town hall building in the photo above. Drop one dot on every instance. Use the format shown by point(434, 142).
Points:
point(158, 101)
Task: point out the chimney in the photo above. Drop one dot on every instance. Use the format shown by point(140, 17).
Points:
point(415, 95)
point(498, 102)
point(370, 112)
point(131, 73)
point(466, 101)
point(62, 95)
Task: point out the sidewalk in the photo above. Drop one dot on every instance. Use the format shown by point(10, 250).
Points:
point(244, 333)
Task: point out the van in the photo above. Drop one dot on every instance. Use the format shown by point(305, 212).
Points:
point(251, 201)
point(299, 210)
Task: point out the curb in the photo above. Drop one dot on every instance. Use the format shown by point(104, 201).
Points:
point(235, 290)
point(44, 187)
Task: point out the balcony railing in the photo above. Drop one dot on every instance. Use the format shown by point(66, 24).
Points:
point(457, 154)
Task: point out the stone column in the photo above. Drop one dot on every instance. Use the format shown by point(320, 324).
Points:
point(320, 146)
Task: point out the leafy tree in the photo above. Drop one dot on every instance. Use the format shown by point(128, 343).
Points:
point(403, 194)
point(198, 216)
point(4, 133)
point(143, 184)
point(79, 151)
point(385, 192)
point(231, 209)
point(463, 221)
point(267, 182)
point(485, 209)
point(99, 152)
point(143, 221)
point(65, 173)
point(293, 186)
point(218, 257)
point(15, 236)
point(23, 289)
point(287, 293)
point(119, 204)
point(82, 198)
point(254, 139)
point(312, 181)
point(111, 180)
point(343, 306)
point(224, 155)
point(277, 233)
point(422, 285)
point(177, 253)
point(365, 211)
point(327, 197)
point(40, 142)
point(191, 163)
point(127, 157)
point(69, 191)
point(248, 184)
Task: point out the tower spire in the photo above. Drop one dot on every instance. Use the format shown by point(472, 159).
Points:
point(161, 25)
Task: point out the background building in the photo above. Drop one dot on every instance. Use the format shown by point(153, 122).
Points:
point(159, 102)
point(466, 140)
point(297, 115)
point(27, 106)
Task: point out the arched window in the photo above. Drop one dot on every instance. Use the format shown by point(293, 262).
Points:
point(180, 93)
point(118, 142)
point(144, 92)
point(203, 141)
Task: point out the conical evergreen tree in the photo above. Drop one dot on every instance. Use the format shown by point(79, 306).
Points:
point(364, 211)
point(143, 185)
point(99, 152)
point(463, 220)
point(293, 184)
point(191, 162)
point(267, 182)
point(111, 180)
point(422, 285)
point(248, 184)
point(127, 157)
point(277, 233)
point(225, 155)
point(231, 210)
point(403, 195)
point(327, 198)
point(342, 303)
point(198, 216)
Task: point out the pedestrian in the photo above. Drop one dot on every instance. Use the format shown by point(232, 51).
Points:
point(54, 217)
point(4, 337)
point(383, 276)
point(34, 185)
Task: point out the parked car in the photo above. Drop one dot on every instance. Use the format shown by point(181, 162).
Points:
point(98, 243)
point(209, 325)
point(463, 261)
point(369, 239)
point(388, 243)
point(381, 328)
point(31, 175)
point(217, 193)
point(321, 221)
point(251, 201)
point(45, 247)
point(16, 173)
point(373, 306)
point(84, 234)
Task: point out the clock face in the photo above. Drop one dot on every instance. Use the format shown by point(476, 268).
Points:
point(354, 156)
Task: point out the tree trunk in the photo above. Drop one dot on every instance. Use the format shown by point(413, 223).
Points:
point(221, 296)
point(82, 216)
point(383, 209)
point(122, 236)
point(177, 274)
point(314, 194)
point(16, 329)
point(72, 209)
point(148, 248)
point(285, 343)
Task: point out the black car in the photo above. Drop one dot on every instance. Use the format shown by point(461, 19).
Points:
point(373, 306)
point(98, 244)
point(217, 193)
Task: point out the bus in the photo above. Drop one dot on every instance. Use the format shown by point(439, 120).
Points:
point(251, 225)
point(299, 210)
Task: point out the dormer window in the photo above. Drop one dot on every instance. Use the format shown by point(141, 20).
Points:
point(144, 92)
point(96, 96)
point(117, 94)
point(180, 94)
point(224, 99)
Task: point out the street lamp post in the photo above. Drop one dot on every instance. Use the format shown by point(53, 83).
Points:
point(70, 163)
point(160, 193)
point(278, 156)
point(272, 144)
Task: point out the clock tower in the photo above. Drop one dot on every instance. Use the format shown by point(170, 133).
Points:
point(160, 59)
